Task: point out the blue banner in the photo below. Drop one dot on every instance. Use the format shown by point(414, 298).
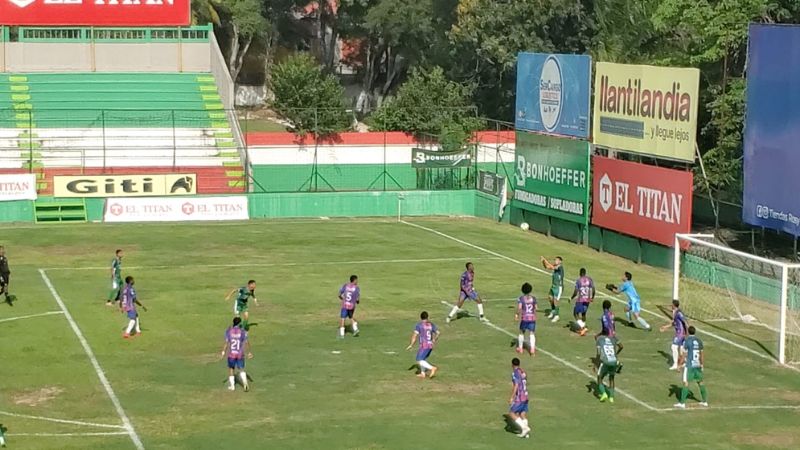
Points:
point(553, 94)
point(772, 129)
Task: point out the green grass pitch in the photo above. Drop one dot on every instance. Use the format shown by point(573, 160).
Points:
point(312, 391)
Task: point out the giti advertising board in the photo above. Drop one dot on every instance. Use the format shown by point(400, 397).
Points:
point(553, 94)
point(95, 12)
point(125, 185)
point(646, 109)
point(648, 202)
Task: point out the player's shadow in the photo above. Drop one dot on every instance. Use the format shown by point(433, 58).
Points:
point(593, 388)
point(621, 321)
point(525, 345)
point(667, 357)
point(511, 426)
point(415, 368)
point(675, 391)
point(461, 315)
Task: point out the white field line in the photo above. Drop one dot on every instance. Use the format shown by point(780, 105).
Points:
point(107, 433)
point(735, 408)
point(126, 422)
point(288, 264)
point(566, 363)
point(600, 293)
point(49, 313)
point(66, 421)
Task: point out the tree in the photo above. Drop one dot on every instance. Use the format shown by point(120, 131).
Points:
point(308, 98)
point(488, 35)
point(429, 103)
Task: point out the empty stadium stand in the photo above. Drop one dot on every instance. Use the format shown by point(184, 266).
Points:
point(72, 123)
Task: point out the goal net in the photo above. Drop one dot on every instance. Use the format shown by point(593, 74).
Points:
point(755, 298)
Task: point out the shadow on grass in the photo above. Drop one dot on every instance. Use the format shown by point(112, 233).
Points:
point(511, 426)
point(675, 391)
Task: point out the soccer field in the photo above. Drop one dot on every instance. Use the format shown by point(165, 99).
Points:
point(69, 380)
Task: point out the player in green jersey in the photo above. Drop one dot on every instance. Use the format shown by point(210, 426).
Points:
point(692, 358)
point(607, 364)
point(116, 279)
point(240, 306)
point(556, 286)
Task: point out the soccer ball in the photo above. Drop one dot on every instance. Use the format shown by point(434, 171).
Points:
point(524, 226)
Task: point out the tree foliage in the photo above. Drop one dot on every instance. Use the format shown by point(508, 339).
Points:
point(430, 104)
point(309, 99)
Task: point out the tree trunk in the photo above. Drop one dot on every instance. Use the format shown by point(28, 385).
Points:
point(271, 39)
point(394, 69)
point(364, 101)
point(234, 50)
point(240, 58)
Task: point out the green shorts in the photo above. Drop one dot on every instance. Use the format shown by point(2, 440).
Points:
point(239, 308)
point(555, 292)
point(607, 370)
point(692, 374)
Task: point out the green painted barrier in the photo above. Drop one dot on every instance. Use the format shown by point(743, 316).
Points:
point(16, 211)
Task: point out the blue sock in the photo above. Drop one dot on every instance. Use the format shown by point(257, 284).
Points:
point(644, 323)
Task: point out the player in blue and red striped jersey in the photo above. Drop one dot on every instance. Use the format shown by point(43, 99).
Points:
point(350, 295)
point(681, 329)
point(519, 398)
point(467, 292)
point(428, 334)
point(526, 314)
point(607, 321)
point(236, 344)
point(583, 295)
point(128, 306)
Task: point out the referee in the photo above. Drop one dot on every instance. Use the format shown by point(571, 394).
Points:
point(5, 275)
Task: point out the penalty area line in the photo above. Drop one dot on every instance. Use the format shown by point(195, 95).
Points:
point(566, 363)
point(66, 421)
point(126, 422)
point(600, 293)
point(290, 264)
point(49, 313)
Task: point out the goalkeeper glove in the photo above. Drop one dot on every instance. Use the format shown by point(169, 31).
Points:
point(611, 287)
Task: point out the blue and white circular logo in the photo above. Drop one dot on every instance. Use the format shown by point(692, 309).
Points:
point(550, 93)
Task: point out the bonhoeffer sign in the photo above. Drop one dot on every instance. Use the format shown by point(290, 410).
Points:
point(772, 129)
point(648, 202)
point(551, 176)
point(646, 109)
point(553, 93)
point(95, 12)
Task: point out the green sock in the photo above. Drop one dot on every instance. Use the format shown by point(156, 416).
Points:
point(611, 392)
point(601, 389)
point(246, 325)
point(684, 394)
point(703, 393)
point(552, 307)
point(556, 310)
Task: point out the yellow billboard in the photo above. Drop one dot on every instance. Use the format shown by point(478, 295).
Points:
point(646, 109)
point(125, 185)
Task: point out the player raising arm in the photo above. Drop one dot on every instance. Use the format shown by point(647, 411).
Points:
point(236, 344)
point(350, 295)
point(243, 294)
point(467, 292)
point(556, 286)
point(634, 301)
point(679, 323)
point(428, 335)
point(526, 314)
point(583, 295)
point(128, 306)
point(693, 358)
point(607, 350)
point(519, 399)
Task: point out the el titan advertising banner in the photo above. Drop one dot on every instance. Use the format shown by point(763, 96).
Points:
point(17, 187)
point(648, 202)
point(125, 185)
point(112, 13)
point(174, 209)
point(772, 129)
point(553, 93)
point(646, 109)
point(552, 176)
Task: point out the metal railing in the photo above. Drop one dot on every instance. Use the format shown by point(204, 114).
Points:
point(199, 33)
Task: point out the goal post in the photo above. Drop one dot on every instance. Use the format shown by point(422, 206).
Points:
point(749, 295)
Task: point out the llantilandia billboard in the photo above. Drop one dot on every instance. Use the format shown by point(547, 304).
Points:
point(646, 109)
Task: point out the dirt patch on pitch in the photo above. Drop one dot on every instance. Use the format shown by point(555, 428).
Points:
point(773, 439)
point(37, 397)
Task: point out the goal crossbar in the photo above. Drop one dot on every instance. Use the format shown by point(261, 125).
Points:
point(701, 239)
